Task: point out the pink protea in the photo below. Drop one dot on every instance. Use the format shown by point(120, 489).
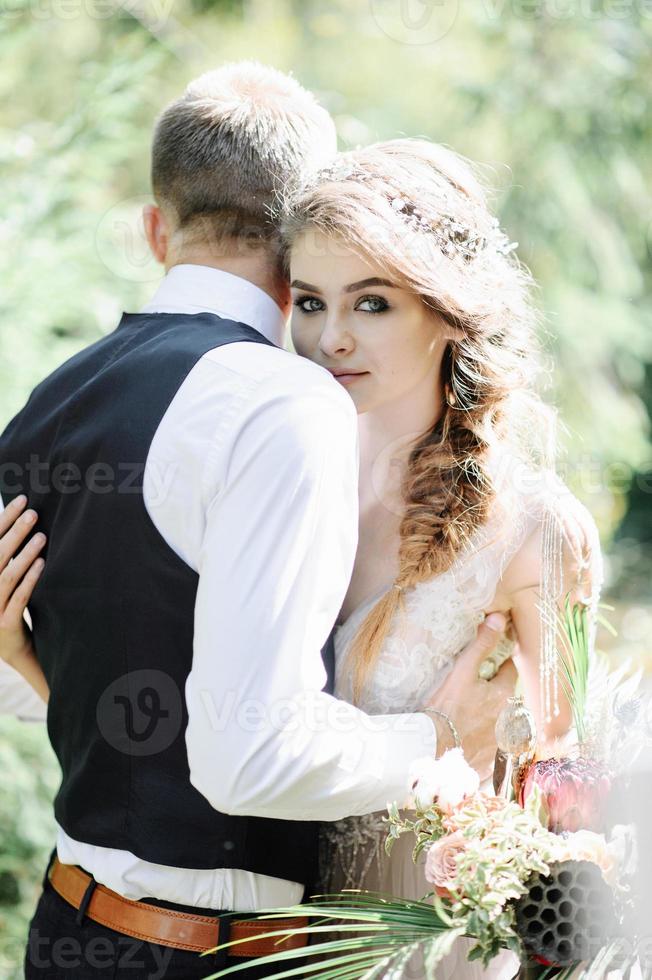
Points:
point(574, 792)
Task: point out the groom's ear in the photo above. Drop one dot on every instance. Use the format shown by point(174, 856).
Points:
point(157, 231)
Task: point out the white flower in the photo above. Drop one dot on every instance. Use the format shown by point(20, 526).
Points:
point(614, 858)
point(424, 781)
point(446, 781)
point(585, 845)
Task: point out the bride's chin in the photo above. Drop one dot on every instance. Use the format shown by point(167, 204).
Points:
point(363, 401)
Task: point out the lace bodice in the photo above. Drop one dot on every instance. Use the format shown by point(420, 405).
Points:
point(440, 616)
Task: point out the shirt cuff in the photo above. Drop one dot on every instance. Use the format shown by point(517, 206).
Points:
point(412, 736)
point(18, 698)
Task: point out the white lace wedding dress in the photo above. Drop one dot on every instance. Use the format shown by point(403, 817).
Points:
point(439, 618)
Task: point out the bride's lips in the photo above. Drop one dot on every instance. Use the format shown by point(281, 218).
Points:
point(347, 377)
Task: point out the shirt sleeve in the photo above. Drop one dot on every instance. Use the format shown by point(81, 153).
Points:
point(277, 556)
point(17, 697)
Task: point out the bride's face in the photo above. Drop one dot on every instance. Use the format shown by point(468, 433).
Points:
point(376, 337)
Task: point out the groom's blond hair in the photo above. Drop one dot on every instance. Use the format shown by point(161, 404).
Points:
point(225, 151)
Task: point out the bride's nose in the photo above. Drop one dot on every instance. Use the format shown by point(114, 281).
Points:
point(335, 338)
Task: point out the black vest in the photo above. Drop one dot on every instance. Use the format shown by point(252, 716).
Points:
point(113, 611)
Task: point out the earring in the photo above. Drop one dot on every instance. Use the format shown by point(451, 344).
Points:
point(451, 400)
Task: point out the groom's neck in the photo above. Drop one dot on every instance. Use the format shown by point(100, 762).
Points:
point(257, 267)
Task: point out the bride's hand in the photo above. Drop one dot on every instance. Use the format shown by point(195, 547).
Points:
point(18, 577)
point(473, 704)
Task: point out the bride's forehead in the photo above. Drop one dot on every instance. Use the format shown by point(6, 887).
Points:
point(329, 260)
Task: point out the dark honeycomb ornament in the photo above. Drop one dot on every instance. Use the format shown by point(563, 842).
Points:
point(567, 916)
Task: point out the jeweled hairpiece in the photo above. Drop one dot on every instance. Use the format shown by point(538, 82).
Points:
point(454, 238)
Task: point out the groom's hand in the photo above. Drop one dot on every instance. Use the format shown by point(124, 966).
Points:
point(473, 704)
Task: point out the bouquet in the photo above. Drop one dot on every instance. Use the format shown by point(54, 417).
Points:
point(532, 867)
point(504, 877)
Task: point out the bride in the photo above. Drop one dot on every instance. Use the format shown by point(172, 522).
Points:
point(405, 288)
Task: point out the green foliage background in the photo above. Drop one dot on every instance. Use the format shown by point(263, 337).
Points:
point(552, 96)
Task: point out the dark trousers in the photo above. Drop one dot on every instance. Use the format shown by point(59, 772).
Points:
point(64, 944)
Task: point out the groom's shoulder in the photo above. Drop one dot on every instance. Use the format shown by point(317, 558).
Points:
point(275, 371)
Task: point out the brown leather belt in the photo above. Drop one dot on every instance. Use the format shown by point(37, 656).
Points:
point(168, 927)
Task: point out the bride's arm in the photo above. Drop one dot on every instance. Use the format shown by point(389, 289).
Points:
point(18, 578)
point(581, 578)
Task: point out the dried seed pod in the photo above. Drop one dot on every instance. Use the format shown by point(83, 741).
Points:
point(568, 915)
point(516, 737)
point(516, 732)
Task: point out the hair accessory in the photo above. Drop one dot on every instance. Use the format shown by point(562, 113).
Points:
point(454, 238)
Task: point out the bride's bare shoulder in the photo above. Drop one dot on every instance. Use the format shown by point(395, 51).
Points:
point(556, 528)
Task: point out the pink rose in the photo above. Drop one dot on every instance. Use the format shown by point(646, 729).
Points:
point(441, 860)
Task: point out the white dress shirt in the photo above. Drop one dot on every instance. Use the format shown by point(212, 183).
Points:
point(252, 480)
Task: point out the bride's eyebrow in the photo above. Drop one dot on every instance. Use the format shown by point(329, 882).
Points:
point(365, 283)
point(354, 287)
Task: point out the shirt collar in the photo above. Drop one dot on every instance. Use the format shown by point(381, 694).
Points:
point(188, 288)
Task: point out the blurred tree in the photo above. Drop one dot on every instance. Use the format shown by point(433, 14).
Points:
point(30, 778)
point(551, 97)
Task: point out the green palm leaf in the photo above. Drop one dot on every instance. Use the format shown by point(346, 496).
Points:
point(388, 930)
point(574, 654)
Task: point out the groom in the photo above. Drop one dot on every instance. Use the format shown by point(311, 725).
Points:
point(198, 488)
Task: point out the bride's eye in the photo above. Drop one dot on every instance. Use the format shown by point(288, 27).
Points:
point(308, 304)
point(372, 304)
